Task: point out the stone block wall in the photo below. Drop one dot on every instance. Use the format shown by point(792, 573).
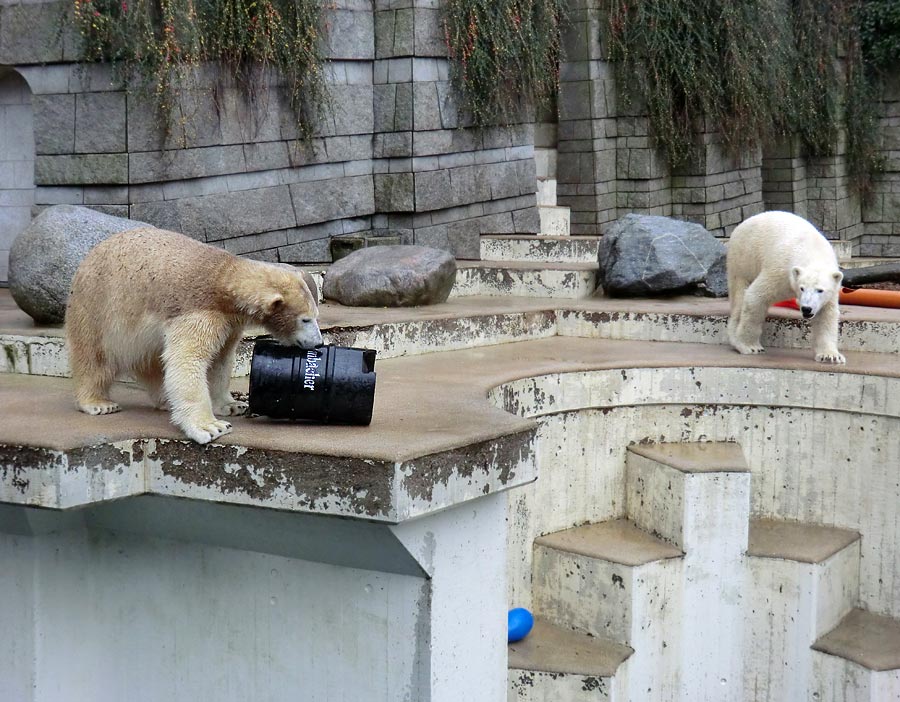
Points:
point(784, 177)
point(717, 190)
point(437, 181)
point(395, 155)
point(389, 156)
point(881, 214)
point(608, 165)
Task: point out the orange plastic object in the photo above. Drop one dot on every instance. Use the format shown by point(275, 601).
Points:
point(858, 296)
point(869, 297)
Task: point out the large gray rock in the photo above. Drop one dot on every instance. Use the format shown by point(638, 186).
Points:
point(44, 257)
point(646, 255)
point(391, 276)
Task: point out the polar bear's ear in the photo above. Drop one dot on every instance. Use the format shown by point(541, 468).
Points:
point(838, 277)
point(273, 302)
point(795, 273)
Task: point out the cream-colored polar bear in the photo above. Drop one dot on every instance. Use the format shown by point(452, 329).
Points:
point(170, 311)
point(774, 256)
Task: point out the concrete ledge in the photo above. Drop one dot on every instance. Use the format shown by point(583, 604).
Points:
point(696, 457)
point(424, 451)
point(618, 541)
point(472, 322)
point(552, 649)
point(795, 541)
point(868, 639)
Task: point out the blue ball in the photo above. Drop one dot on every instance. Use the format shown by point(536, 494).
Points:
point(520, 622)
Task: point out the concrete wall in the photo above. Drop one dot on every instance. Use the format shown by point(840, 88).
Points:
point(16, 162)
point(151, 599)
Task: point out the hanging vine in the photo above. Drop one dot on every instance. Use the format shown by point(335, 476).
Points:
point(504, 55)
point(159, 46)
point(756, 71)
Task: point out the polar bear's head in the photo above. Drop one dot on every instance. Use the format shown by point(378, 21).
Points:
point(814, 288)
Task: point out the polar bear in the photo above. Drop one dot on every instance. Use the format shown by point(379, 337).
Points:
point(169, 311)
point(774, 256)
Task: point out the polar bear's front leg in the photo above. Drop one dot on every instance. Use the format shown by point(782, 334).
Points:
point(191, 344)
point(736, 289)
point(748, 332)
point(825, 332)
point(220, 378)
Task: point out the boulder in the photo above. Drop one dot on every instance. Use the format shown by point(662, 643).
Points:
point(43, 258)
point(643, 255)
point(391, 276)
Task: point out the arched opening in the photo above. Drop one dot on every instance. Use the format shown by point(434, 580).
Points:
point(16, 162)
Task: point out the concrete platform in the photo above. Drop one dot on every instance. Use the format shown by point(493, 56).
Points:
point(795, 541)
point(866, 638)
point(618, 541)
point(552, 649)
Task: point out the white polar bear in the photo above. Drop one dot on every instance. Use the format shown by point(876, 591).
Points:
point(774, 256)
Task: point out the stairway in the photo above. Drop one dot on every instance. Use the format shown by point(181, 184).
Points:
point(689, 598)
point(552, 264)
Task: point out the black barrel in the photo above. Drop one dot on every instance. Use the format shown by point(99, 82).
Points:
point(329, 384)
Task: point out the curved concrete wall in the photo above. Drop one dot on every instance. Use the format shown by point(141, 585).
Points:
point(819, 449)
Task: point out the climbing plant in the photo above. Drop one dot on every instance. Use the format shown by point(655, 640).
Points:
point(755, 71)
point(875, 51)
point(159, 46)
point(504, 55)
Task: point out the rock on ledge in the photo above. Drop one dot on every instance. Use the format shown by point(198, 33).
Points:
point(644, 255)
point(391, 276)
point(44, 257)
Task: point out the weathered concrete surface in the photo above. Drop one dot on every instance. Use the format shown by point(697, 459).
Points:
point(553, 649)
point(870, 640)
point(470, 322)
point(428, 451)
point(805, 578)
point(562, 249)
point(525, 279)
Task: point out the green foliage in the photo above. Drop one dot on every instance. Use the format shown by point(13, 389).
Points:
point(160, 44)
point(504, 54)
point(756, 70)
point(879, 29)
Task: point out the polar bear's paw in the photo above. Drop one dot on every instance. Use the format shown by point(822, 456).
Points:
point(99, 407)
point(207, 431)
point(831, 357)
point(749, 348)
point(232, 408)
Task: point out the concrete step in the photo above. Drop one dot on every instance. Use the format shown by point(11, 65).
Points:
point(539, 249)
point(805, 580)
point(553, 664)
point(858, 660)
point(601, 579)
point(555, 221)
point(696, 496)
point(525, 279)
point(864, 261)
point(546, 192)
point(690, 494)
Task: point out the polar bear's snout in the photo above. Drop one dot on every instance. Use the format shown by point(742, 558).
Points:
point(308, 334)
point(807, 312)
